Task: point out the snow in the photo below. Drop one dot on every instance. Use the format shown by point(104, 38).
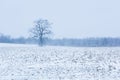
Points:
point(30, 62)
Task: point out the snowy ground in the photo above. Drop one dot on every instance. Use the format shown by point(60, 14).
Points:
point(29, 62)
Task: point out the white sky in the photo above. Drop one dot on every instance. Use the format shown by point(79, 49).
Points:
point(70, 18)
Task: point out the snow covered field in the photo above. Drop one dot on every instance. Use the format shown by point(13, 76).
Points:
point(29, 62)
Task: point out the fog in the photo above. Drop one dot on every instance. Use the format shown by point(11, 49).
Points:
point(70, 18)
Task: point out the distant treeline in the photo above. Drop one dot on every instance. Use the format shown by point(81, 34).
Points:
point(87, 42)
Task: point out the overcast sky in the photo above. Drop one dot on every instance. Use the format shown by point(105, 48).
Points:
point(70, 18)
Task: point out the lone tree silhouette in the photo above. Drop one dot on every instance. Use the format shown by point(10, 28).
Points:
point(41, 30)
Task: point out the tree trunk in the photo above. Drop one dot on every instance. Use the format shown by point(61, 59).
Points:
point(40, 41)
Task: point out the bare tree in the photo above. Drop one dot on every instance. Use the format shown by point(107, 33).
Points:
point(41, 30)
